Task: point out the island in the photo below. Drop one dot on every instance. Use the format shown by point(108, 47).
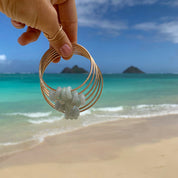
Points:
point(133, 70)
point(74, 69)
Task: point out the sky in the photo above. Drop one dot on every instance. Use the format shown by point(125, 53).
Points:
point(117, 33)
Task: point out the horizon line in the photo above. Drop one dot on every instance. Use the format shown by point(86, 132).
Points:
point(86, 73)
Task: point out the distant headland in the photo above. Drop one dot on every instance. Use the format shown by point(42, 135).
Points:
point(74, 69)
point(133, 70)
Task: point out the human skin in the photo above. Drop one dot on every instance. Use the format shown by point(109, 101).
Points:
point(44, 16)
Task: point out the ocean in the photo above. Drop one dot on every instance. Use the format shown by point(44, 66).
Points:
point(26, 119)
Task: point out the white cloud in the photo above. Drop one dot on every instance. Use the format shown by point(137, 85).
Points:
point(91, 14)
point(117, 2)
point(104, 24)
point(133, 2)
point(94, 14)
point(89, 7)
point(168, 30)
point(170, 2)
point(3, 57)
point(146, 26)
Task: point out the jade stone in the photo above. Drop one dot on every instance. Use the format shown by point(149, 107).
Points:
point(67, 101)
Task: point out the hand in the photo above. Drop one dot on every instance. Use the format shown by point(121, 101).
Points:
point(45, 16)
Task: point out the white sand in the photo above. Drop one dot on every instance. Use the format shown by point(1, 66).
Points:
point(139, 148)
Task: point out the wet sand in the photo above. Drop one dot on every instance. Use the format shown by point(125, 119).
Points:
point(131, 148)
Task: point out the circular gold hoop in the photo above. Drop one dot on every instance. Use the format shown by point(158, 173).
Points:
point(92, 87)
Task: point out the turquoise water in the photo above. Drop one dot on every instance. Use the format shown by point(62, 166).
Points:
point(26, 119)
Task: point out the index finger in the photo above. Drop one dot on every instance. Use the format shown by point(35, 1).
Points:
point(68, 19)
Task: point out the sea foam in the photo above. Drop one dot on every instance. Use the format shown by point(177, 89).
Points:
point(31, 115)
point(42, 121)
point(109, 109)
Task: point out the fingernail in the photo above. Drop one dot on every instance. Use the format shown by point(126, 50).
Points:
point(66, 50)
point(17, 24)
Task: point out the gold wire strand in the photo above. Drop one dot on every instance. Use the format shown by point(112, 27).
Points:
point(94, 79)
point(92, 99)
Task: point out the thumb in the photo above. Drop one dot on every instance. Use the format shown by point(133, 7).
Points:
point(49, 24)
point(61, 43)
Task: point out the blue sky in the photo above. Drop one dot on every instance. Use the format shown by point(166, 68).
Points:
point(118, 34)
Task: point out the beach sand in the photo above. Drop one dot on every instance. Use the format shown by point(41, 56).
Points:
point(130, 148)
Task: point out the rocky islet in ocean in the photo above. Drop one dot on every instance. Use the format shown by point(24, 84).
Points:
point(133, 70)
point(74, 69)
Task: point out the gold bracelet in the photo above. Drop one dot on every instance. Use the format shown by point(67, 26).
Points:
point(91, 88)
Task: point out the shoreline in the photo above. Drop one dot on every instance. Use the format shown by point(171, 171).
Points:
point(98, 145)
point(39, 141)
